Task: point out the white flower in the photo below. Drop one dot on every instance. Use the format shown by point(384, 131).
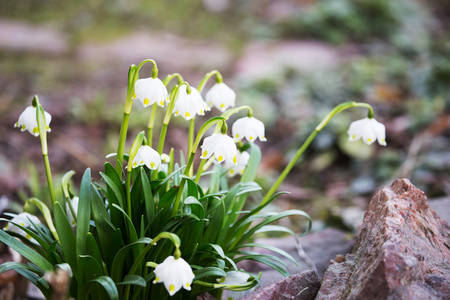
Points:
point(241, 160)
point(234, 278)
point(221, 96)
point(250, 128)
point(165, 160)
point(74, 201)
point(174, 273)
point(369, 130)
point(222, 146)
point(147, 156)
point(23, 219)
point(150, 91)
point(188, 105)
point(28, 121)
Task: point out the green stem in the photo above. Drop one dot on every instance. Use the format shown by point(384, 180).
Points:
point(200, 170)
point(163, 235)
point(151, 123)
point(48, 173)
point(211, 122)
point(162, 136)
point(219, 79)
point(172, 76)
point(133, 75)
point(176, 204)
point(191, 141)
point(121, 145)
point(42, 128)
point(308, 141)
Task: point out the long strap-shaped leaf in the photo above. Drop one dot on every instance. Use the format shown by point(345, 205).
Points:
point(108, 285)
point(25, 251)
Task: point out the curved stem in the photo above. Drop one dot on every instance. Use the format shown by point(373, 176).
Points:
point(172, 76)
point(205, 79)
point(133, 75)
point(308, 141)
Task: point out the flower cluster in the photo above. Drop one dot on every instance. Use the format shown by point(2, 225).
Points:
point(117, 225)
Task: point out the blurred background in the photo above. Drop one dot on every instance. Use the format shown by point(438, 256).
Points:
point(291, 60)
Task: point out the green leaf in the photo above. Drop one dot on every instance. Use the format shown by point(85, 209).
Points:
point(271, 218)
point(271, 248)
point(45, 212)
point(25, 251)
point(92, 248)
point(65, 183)
point(148, 197)
point(122, 254)
point(90, 267)
point(67, 238)
point(133, 234)
point(265, 259)
point(275, 228)
point(209, 271)
point(84, 212)
point(132, 279)
point(107, 284)
point(44, 244)
point(116, 189)
point(102, 223)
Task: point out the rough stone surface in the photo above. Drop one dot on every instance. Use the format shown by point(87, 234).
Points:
point(314, 252)
point(301, 286)
point(402, 251)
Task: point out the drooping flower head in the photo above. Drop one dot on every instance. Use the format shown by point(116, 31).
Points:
point(221, 97)
point(24, 219)
point(27, 121)
point(369, 130)
point(222, 146)
point(147, 156)
point(165, 160)
point(250, 128)
point(241, 162)
point(188, 105)
point(175, 274)
point(74, 201)
point(234, 278)
point(149, 91)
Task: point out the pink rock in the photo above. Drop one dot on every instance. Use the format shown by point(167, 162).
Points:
point(402, 251)
point(303, 286)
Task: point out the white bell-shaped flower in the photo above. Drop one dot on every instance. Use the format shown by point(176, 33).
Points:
point(23, 219)
point(27, 121)
point(149, 91)
point(189, 105)
point(241, 162)
point(369, 130)
point(250, 128)
point(221, 96)
point(165, 160)
point(74, 201)
point(234, 278)
point(147, 156)
point(222, 146)
point(175, 274)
